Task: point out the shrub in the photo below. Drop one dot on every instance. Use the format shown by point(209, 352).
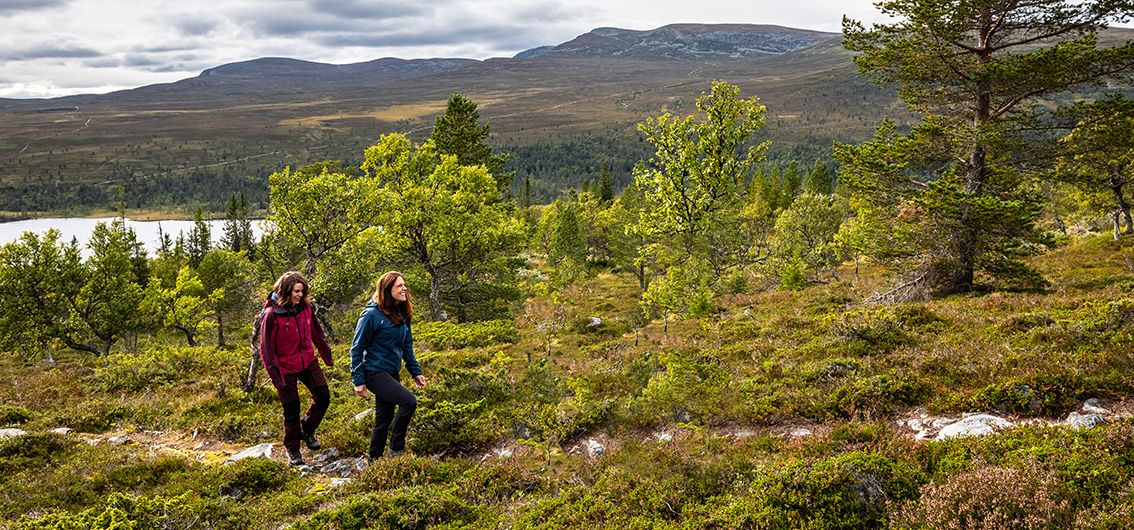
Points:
point(871, 331)
point(32, 449)
point(1046, 395)
point(124, 511)
point(252, 476)
point(447, 335)
point(875, 396)
point(13, 415)
point(406, 507)
point(992, 498)
point(851, 491)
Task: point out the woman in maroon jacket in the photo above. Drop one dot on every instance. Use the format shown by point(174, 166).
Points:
point(288, 332)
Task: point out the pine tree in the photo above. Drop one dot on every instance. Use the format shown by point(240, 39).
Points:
point(977, 70)
point(200, 239)
point(605, 185)
point(458, 132)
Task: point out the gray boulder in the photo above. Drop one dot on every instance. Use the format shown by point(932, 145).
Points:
point(256, 451)
point(973, 425)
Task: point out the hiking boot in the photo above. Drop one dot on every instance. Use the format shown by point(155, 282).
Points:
point(294, 458)
point(395, 454)
point(311, 441)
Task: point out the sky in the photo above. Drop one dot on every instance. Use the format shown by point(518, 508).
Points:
point(52, 48)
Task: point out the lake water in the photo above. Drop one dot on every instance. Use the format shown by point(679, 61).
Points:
point(81, 227)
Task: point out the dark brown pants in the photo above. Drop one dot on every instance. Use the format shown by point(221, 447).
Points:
point(295, 427)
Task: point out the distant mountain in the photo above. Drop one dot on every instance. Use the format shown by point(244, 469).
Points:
point(691, 41)
point(534, 52)
point(386, 69)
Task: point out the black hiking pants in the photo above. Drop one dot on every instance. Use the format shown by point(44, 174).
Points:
point(388, 394)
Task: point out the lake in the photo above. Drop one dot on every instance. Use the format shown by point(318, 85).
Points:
point(81, 227)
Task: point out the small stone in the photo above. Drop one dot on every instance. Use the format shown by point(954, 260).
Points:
point(504, 452)
point(1084, 421)
point(62, 430)
point(1091, 406)
point(119, 440)
point(326, 455)
point(595, 322)
point(256, 451)
point(666, 436)
point(594, 448)
point(336, 482)
point(153, 433)
point(799, 432)
point(11, 433)
point(342, 467)
point(363, 415)
point(743, 433)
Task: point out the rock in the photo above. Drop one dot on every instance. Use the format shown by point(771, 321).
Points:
point(62, 430)
point(594, 448)
point(1091, 406)
point(595, 322)
point(256, 451)
point(799, 432)
point(119, 440)
point(505, 452)
point(973, 425)
point(1084, 421)
point(363, 415)
point(336, 482)
point(343, 467)
point(11, 433)
point(326, 455)
point(666, 436)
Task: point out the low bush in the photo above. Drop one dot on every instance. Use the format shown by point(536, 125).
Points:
point(13, 415)
point(993, 498)
point(449, 336)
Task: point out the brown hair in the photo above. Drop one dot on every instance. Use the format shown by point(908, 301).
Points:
point(284, 285)
point(393, 309)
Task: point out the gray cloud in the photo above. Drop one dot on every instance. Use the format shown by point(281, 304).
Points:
point(49, 50)
point(498, 37)
point(13, 6)
point(366, 9)
point(195, 24)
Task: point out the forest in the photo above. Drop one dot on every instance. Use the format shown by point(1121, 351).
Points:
point(930, 329)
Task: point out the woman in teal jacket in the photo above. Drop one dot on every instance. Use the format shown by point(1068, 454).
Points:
point(382, 342)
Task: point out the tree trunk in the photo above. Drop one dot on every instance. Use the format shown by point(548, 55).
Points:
point(79, 346)
point(435, 306)
point(189, 335)
point(1116, 184)
point(253, 369)
point(220, 330)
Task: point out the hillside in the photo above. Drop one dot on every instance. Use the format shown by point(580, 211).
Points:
point(781, 409)
point(186, 142)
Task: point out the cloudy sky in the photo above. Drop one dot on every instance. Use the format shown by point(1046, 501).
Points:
point(59, 47)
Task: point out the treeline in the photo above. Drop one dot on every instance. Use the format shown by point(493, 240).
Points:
point(208, 189)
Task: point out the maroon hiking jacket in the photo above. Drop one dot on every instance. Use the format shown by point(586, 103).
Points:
point(286, 338)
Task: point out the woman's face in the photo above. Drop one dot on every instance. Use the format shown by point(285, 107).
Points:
point(296, 293)
point(399, 289)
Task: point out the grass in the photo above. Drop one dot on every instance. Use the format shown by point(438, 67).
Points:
point(692, 419)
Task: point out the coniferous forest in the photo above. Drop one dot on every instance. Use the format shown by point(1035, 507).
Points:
point(694, 328)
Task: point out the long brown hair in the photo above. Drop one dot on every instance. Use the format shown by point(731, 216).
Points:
point(393, 309)
point(284, 285)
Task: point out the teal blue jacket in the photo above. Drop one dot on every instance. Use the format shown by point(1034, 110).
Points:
point(380, 345)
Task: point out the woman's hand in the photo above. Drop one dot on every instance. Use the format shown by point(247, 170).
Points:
point(419, 380)
point(360, 390)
